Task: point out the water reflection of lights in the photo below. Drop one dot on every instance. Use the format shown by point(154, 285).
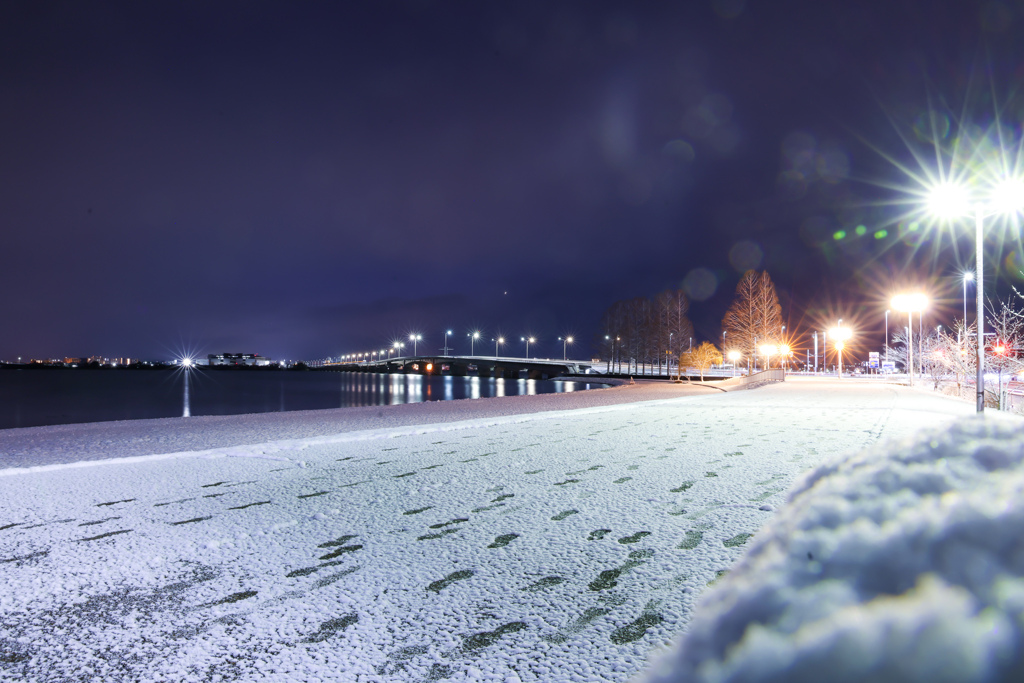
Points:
point(449, 388)
point(499, 386)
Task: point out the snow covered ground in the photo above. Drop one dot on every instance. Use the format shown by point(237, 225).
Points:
point(549, 546)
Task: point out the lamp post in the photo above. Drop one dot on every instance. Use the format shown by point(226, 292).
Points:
point(447, 333)
point(499, 340)
point(968, 277)
point(668, 361)
point(768, 350)
point(910, 304)
point(887, 335)
point(734, 356)
point(527, 340)
point(472, 342)
point(567, 340)
point(840, 334)
point(415, 339)
point(950, 200)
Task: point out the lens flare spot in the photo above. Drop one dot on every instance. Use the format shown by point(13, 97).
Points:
point(745, 255)
point(838, 235)
point(860, 230)
point(1014, 265)
point(930, 126)
point(700, 284)
point(913, 226)
point(679, 149)
point(728, 9)
point(881, 234)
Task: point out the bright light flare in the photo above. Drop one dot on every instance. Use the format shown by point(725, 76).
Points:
point(734, 356)
point(187, 362)
point(910, 303)
point(769, 349)
point(840, 334)
point(949, 200)
point(1007, 196)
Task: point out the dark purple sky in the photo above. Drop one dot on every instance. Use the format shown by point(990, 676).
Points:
point(308, 179)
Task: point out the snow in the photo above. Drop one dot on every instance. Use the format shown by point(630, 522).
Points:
point(525, 543)
point(904, 562)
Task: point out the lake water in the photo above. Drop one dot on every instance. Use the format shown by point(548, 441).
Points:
point(30, 398)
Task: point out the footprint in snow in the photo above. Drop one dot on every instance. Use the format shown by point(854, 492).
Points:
point(441, 584)
point(503, 540)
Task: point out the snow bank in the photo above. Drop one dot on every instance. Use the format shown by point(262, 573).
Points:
point(904, 562)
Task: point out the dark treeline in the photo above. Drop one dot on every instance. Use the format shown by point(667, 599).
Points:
point(639, 332)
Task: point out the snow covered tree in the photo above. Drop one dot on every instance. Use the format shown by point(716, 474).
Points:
point(755, 316)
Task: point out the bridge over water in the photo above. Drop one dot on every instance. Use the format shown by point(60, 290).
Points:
point(482, 366)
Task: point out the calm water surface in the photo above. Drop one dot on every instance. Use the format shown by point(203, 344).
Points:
point(30, 398)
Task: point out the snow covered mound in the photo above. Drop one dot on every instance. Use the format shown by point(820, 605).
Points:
point(904, 562)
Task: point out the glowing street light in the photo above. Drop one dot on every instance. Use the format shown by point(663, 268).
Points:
point(951, 200)
point(734, 356)
point(447, 334)
point(840, 334)
point(567, 340)
point(784, 350)
point(527, 340)
point(472, 341)
point(910, 304)
point(415, 339)
point(499, 340)
point(768, 350)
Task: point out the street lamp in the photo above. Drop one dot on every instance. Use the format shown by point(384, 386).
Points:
point(887, 335)
point(784, 351)
point(734, 356)
point(415, 339)
point(840, 334)
point(951, 200)
point(768, 350)
point(527, 340)
point(499, 340)
point(968, 277)
point(567, 340)
point(910, 304)
point(447, 333)
point(472, 341)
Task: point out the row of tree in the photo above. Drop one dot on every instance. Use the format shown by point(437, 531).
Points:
point(637, 333)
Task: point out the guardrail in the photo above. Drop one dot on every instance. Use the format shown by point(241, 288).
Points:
point(772, 375)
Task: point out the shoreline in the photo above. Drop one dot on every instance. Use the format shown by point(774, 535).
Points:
point(58, 444)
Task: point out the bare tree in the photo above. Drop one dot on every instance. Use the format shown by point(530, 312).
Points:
point(640, 330)
point(755, 316)
point(701, 358)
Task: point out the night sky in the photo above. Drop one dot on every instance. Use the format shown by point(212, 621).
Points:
point(304, 179)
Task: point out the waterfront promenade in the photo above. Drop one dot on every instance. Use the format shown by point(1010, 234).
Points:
point(475, 541)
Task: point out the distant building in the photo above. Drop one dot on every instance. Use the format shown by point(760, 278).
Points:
point(238, 359)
